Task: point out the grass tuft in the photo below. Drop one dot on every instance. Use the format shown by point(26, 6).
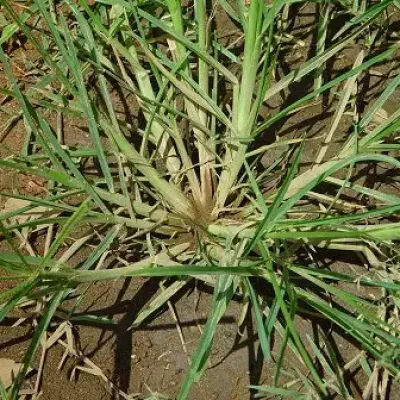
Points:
point(186, 186)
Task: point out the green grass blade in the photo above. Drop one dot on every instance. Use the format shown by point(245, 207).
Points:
point(369, 15)
point(6, 232)
point(87, 106)
point(222, 295)
point(189, 45)
point(101, 248)
point(289, 322)
point(271, 216)
point(284, 393)
point(364, 66)
point(262, 334)
point(369, 115)
point(49, 137)
point(313, 63)
point(69, 226)
point(3, 390)
point(16, 294)
point(34, 345)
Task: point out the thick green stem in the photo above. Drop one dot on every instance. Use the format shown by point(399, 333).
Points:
point(205, 156)
point(243, 118)
point(77, 277)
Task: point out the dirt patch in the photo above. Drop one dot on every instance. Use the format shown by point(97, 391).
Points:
point(151, 357)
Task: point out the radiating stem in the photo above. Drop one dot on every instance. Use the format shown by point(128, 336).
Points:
point(197, 114)
point(171, 193)
point(143, 80)
point(242, 117)
point(204, 143)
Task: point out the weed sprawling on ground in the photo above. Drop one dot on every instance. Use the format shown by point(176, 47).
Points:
point(191, 186)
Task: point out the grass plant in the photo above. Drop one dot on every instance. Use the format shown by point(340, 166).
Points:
point(184, 186)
